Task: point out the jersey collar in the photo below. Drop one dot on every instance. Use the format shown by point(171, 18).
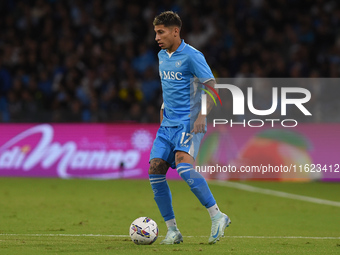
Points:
point(179, 49)
point(181, 46)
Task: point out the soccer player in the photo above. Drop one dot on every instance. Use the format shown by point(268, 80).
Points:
point(178, 139)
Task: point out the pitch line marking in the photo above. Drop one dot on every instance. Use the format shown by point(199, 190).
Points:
point(240, 237)
point(250, 188)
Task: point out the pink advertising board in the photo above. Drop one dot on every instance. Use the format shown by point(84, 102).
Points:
point(109, 151)
point(306, 152)
point(98, 151)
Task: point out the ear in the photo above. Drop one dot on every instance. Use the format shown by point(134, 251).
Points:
point(176, 31)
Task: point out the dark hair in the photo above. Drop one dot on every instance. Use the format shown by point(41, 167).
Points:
point(168, 18)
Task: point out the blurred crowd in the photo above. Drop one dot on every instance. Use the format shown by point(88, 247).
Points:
point(96, 60)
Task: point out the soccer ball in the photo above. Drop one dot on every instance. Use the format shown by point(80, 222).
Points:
point(143, 230)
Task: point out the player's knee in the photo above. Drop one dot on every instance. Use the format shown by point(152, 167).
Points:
point(158, 166)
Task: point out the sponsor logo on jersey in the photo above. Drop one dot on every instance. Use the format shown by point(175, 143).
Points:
point(170, 75)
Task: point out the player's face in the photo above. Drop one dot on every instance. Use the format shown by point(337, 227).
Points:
point(165, 36)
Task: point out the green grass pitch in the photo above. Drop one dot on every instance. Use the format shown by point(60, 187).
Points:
point(54, 216)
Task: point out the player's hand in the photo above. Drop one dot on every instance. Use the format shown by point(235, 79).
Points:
point(199, 125)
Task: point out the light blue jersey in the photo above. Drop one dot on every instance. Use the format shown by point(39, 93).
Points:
point(180, 72)
point(177, 72)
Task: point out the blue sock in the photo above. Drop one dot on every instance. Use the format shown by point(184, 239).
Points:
point(162, 195)
point(197, 183)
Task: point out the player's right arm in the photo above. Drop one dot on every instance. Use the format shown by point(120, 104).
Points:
point(161, 114)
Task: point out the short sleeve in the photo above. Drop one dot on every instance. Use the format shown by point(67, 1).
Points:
point(200, 68)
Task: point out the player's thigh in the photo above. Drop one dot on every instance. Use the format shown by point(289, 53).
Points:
point(186, 145)
point(158, 166)
point(183, 157)
point(163, 147)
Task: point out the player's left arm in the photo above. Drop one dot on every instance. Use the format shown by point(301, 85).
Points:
point(200, 69)
point(199, 124)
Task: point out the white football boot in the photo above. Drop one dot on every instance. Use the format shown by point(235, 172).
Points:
point(173, 236)
point(218, 224)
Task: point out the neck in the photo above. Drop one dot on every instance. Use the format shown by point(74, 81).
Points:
point(175, 46)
